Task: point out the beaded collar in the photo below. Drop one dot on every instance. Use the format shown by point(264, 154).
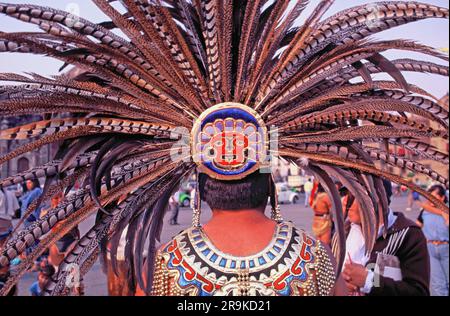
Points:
point(199, 243)
point(285, 267)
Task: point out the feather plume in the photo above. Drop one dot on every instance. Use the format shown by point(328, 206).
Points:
point(117, 115)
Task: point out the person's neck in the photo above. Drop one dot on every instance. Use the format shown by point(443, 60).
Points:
point(240, 232)
point(242, 217)
point(381, 219)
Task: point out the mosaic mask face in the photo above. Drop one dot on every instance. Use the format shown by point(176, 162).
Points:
point(229, 141)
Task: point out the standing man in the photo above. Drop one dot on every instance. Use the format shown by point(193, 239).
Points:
point(435, 228)
point(398, 265)
point(8, 203)
point(33, 192)
point(410, 199)
point(355, 244)
point(174, 208)
point(5, 230)
point(322, 223)
point(308, 188)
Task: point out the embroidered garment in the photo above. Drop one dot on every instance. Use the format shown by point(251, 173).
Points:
point(293, 264)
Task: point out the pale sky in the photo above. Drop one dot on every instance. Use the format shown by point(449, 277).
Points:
point(432, 32)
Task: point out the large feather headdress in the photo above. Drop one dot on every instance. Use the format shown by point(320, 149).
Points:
point(142, 101)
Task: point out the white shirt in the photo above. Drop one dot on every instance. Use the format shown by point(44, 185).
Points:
point(355, 246)
point(308, 186)
point(8, 202)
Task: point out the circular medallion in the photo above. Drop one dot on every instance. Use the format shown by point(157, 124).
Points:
point(229, 141)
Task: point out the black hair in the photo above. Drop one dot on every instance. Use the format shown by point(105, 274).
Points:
point(248, 193)
point(343, 191)
point(320, 188)
point(48, 270)
point(441, 191)
point(36, 184)
point(388, 188)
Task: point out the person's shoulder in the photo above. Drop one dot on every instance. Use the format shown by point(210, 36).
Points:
point(320, 256)
point(175, 240)
point(402, 222)
point(304, 236)
point(10, 193)
point(34, 288)
point(415, 232)
point(313, 245)
point(412, 232)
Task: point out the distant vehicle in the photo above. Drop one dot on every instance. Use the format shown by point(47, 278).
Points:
point(286, 195)
point(297, 182)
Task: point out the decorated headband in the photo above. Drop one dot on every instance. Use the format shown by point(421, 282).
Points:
point(229, 141)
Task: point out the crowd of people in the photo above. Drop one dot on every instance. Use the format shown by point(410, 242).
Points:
point(25, 205)
point(410, 258)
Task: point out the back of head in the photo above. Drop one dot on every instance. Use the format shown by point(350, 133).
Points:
point(46, 269)
point(440, 190)
point(388, 189)
point(320, 188)
point(249, 193)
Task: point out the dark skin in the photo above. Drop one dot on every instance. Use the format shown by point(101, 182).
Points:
point(355, 276)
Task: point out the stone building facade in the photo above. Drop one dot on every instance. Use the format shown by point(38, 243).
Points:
point(25, 161)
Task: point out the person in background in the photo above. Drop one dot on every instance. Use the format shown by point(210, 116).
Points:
point(5, 230)
point(192, 195)
point(398, 264)
point(8, 203)
point(355, 245)
point(308, 189)
point(413, 196)
point(396, 189)
point(57, 253)
point(63, 246)
point(322, 222)
point(46, 271)
point(33, 192)
point(54, 202)
point(410, 198)
point(174, 206)
point(435, 227)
